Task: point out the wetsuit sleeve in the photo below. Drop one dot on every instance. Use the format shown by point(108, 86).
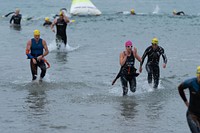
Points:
point(182, 12)
point(11, 19)
point(182, 93)
point(181, 87)
point(144, 56)
point(179, 13)
point(164, 56)
point(20, 17)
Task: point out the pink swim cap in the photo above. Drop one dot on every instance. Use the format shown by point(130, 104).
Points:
point(128, 43)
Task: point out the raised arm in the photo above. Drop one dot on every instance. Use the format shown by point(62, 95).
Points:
point(66, 18)
point(122, 58)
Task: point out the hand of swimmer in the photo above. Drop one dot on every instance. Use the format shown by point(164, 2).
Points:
point(125, 54)
point(39, 57)
point(187, 104)
point(140, 70)
point(34, 61)
point(135, 49)
point(164, 65)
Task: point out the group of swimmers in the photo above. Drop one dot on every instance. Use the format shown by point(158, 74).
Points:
point(128, 74)
point(132, 12)
point(60, 22)
point(37, 49)
point(36, 45)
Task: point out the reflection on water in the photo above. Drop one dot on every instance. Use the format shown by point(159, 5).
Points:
point(61, 57)
point(36, 98)
point(154, 105)
point(16, 27)
point(128, 108)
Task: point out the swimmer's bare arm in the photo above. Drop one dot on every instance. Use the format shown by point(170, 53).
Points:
point(52, 25)
point(28, 49)
point(122, 58)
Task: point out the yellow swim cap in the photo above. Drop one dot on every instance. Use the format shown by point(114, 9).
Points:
point(36, 32)
point(61, 13)
point(17, 9)
point(46, 19)
point(198, 71)
point(132, 11)
point(174, 11)
point(155, 41)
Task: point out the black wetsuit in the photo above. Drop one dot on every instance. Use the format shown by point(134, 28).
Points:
point(61, 34)
point(16, 19)
point(37, 50)
point(152, 65)
point(47, 23)
point(128, 74)
point(193, 113)
point(180, 13)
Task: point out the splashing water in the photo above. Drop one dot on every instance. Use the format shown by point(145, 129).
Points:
point(156, 10)
point(53, 48)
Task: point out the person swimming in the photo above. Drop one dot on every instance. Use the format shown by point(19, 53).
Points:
point(131, 12)
point(178, 13)
point(16, 18)
point(47, 22)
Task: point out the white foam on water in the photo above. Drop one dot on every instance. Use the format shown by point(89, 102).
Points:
point(126, 12)
point(29, 80)
point(116, 90)
point(156, 10)
point(53, 48)
point(142, 87)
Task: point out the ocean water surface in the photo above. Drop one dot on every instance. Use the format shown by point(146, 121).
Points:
point(76, 95)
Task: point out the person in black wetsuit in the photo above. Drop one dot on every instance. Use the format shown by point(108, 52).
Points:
point(47, 22)
point(16, 18)
point(127, 62)
point(34, 52)
point(193, 112)
point(153, 53)
point(61, 26)
point(178, 13)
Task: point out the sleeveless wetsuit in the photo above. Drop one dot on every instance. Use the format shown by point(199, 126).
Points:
point(37, 50)
point(152, 65)
point(61, 34)
point(193, 113)
point(127, 74)
point(16, 19)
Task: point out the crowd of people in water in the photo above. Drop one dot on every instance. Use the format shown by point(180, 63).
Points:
point(37, 49)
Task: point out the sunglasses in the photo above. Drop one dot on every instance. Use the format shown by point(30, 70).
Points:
point(129, 46)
